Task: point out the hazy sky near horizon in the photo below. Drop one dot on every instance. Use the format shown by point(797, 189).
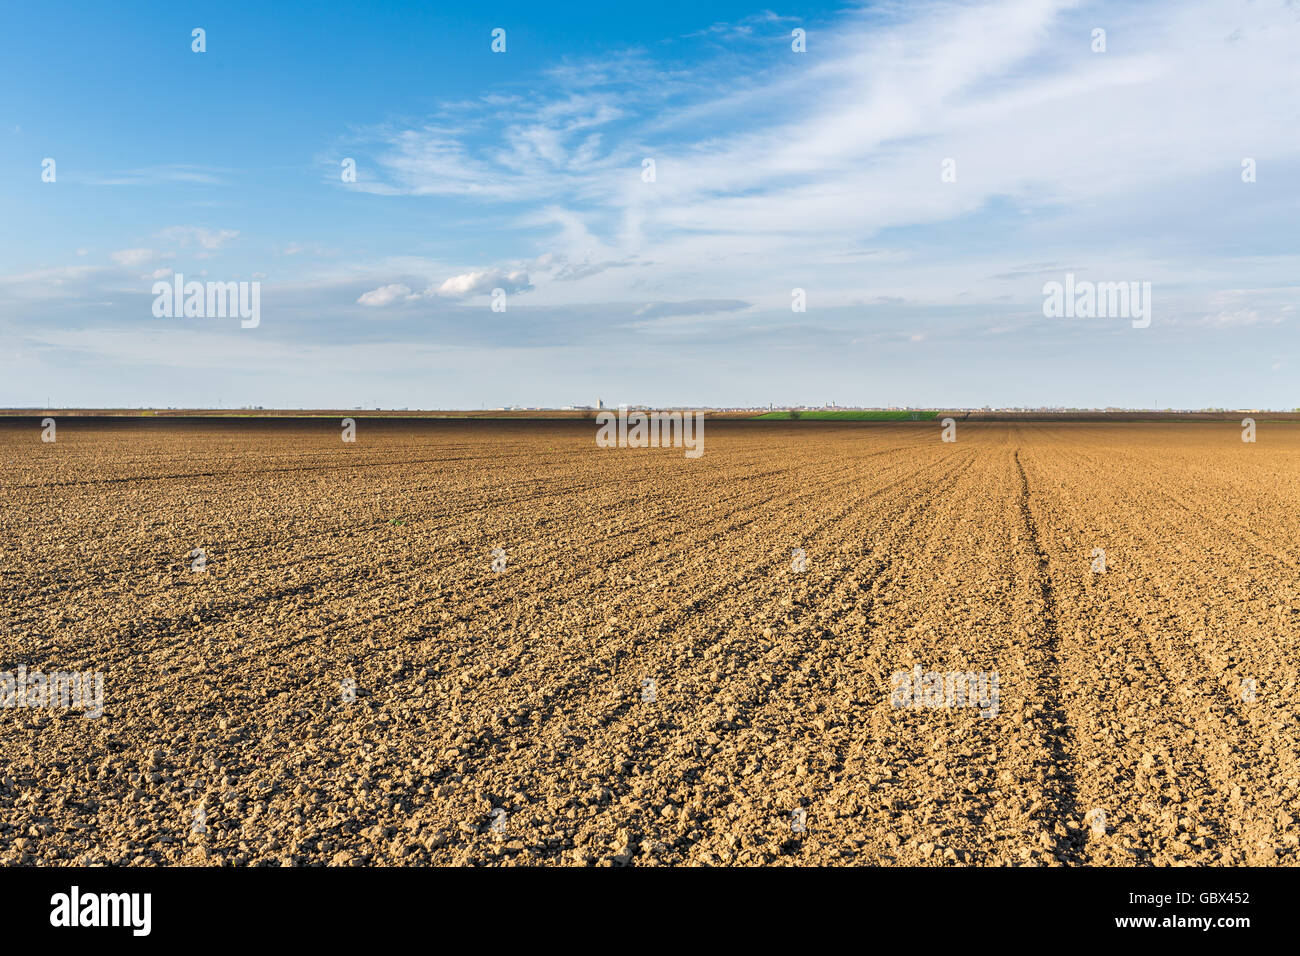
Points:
point(774, 170)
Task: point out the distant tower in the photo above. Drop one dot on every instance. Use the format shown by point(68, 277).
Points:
point(600, 403)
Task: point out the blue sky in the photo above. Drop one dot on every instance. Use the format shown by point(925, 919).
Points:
point(774, 170)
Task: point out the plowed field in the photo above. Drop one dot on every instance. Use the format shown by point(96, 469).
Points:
point(668, 661)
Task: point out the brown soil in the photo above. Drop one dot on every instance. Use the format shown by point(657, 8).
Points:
point(503, 716)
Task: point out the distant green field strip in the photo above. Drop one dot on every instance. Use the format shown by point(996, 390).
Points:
point(858, 416)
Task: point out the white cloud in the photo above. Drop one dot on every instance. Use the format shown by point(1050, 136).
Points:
point(482, 283)
point(207, 239)
point(385, 295)
point(133, 258)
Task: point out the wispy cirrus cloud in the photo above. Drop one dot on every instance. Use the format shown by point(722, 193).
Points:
point(850, 138)
point(158, 175)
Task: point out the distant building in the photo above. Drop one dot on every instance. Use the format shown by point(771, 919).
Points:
point(600, 403)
